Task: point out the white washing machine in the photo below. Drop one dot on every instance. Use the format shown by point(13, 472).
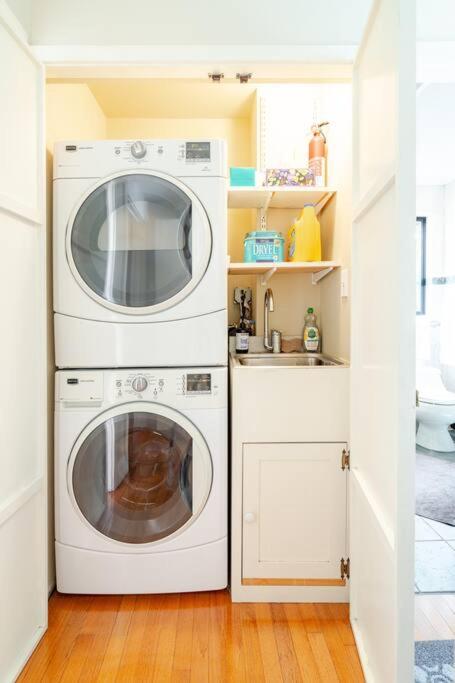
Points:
point(140, 244)
point(141, 480)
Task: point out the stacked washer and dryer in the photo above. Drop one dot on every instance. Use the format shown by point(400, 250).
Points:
point(140, 232)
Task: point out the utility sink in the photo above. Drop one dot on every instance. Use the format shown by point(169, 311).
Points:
point(281, 360)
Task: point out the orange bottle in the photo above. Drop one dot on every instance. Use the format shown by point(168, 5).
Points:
point(317, 154)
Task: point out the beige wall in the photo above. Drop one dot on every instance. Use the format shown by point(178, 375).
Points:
point(71, 113)
point(286, 115)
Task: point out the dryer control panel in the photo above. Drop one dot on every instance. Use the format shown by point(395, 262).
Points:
point(178, 158)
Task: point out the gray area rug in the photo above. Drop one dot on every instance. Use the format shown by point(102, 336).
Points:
point(435, 486)
point(434, 661)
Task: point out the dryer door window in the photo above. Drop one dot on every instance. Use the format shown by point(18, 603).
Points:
point(139, 242)
point(139, 477)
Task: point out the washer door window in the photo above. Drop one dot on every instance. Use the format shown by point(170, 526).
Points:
point(139, 242)
point(140, 476)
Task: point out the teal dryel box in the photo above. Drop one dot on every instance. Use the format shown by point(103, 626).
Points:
point(242, 177)
point(263, 246)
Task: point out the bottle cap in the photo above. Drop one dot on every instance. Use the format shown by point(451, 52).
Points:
point(310, 310)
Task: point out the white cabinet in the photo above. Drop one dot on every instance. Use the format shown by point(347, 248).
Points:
point(289, 427)
point(294, 513)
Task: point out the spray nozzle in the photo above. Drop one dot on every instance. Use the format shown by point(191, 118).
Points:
point(316, 129)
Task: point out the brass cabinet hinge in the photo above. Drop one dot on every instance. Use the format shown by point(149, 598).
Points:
point(346, 459)
point(345, 568)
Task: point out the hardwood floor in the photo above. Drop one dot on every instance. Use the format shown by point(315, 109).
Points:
point(435, 616)
point(193, 637)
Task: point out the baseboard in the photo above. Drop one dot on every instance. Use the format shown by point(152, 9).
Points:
point(362, 653)
point(19, 667)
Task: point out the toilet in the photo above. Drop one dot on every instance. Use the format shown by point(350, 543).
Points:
point(435, 411)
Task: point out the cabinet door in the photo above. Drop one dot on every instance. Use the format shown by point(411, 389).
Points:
point(294, 512)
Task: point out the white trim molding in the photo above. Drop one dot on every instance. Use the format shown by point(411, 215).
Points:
point(18, 500)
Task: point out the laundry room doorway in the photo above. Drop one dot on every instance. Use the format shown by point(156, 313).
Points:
point(91, 94)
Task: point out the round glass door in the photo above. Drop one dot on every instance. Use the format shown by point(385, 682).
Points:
point(138, 477)
point(139, 241)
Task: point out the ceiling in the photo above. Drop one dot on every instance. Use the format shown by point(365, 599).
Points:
point(435, 134)
point(199, 22)
point(205, 22)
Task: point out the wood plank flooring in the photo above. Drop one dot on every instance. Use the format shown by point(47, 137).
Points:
point(193, 638)
point(435, 616)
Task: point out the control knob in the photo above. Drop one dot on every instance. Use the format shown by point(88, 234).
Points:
point(139, 384)
point(138, 149)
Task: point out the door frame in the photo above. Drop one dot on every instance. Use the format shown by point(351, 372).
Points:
point(134, 61)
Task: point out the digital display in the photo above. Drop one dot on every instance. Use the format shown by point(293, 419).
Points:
point(199, 383)
point(197, 151)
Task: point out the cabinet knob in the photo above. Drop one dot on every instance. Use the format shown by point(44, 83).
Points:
point(249, 517)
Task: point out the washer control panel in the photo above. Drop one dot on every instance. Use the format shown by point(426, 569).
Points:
point(140, 384)
point(184, 389)
point(165, 384)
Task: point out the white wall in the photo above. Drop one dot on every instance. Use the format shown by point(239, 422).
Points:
point(430, 204)
point(436, 329)
point(448, 290)
point(435, 134)
point(435, 20)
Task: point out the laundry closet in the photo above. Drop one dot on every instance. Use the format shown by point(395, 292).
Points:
point(361, 208)
point(265, 125)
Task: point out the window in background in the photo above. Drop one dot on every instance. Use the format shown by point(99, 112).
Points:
point(421, 255)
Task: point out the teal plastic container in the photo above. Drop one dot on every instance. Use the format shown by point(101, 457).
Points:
point(242, 177)
point(263, 246)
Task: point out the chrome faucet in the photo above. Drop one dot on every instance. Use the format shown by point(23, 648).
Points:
point(268, 308)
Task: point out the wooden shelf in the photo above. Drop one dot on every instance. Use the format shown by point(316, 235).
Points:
point(278, 198)
point(318, 269)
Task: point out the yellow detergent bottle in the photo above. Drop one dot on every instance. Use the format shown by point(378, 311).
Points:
point(304, 237)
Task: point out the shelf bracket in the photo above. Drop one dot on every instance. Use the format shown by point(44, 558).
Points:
point(322, 202)
point(317, 277)
point(265, 277)
point(261, 218)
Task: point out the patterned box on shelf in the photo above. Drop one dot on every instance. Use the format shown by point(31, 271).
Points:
point(290, 177)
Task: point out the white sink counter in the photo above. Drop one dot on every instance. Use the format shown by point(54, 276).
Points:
point(290, 403)
point(289, 443)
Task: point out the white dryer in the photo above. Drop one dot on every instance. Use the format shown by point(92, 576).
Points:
point(140, 253)
point(141, 480)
